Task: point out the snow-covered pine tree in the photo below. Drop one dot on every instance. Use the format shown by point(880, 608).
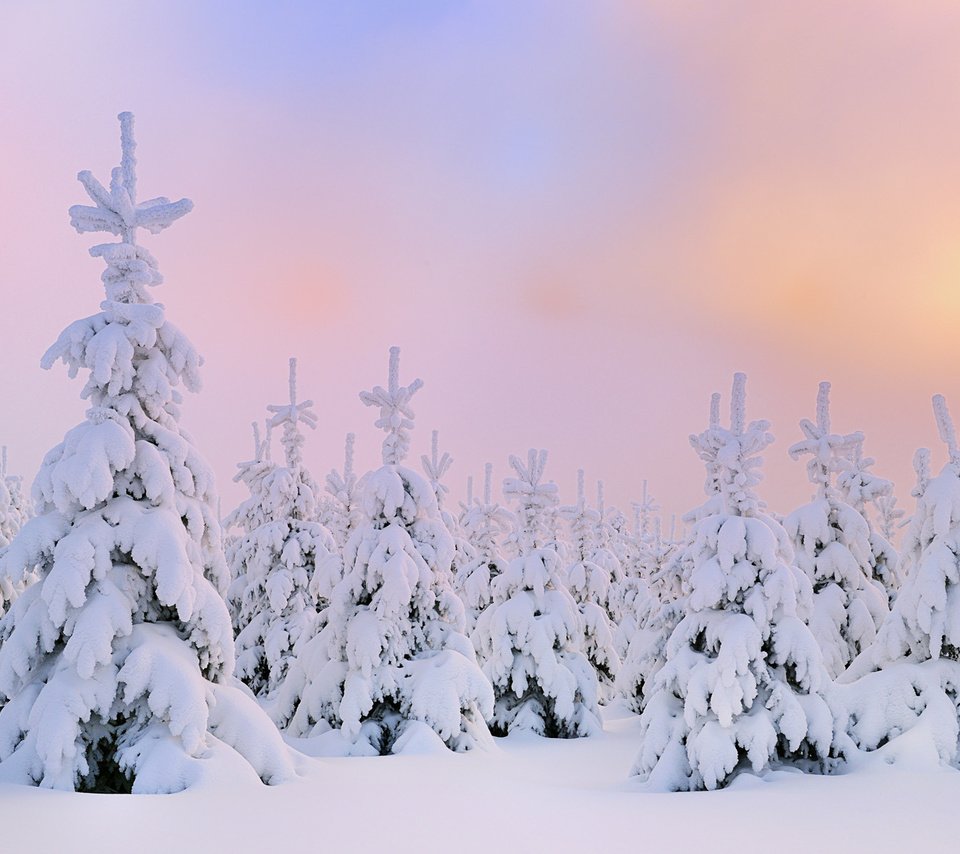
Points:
point(276, 562)
point(858, 486)
point(484, 524)
point(661, 600)
point(249, 515)
point(14, 508)
point(914, 664)
point(530, 638)
point(116, 665)
point(392, 651)
point(592, 587)
point(610, 538)
point(831, 539)
point(435, 467)
point(652, 607)
point(744, 682)
point(342, 491)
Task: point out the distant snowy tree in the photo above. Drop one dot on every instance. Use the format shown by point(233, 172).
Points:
point(652, 607)
point(744, 681)
point(858, 486)
point(592, 585)
point(890, 516)
point(115, 667)
point(832, 542)
point(914, 665)
point(342, 491)
point(276, 562)
point(435, 467)
point(249, 515)
point(14, 508)
point(392, 650)
point(530, 638)
point(484, 524)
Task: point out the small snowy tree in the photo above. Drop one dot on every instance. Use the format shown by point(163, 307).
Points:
point(249, 515)
point(831, 539)
point(484, 524)
point(392, 651)
point(858, 486)
point(435, 467)
point(744, 681)
point(652, 607)
point(276, 562)
point(115, 667)
point(342, 489)
point(915, 662)
point(530, 638)
point(592, 587)
point(14, 508)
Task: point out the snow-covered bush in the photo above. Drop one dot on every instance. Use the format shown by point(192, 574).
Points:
point(831, 539)
point(744, 682)
point(275, 563)
point(530, 637)
point(115, 666)
point(392, 650)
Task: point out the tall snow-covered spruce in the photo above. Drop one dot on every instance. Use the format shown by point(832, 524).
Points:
point(274, 565)
point(831, 539)
point(116, 665)
point(530, 637)
point(392, 657)
point(744, 682)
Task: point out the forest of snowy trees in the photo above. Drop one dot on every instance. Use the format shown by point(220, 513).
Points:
point(143, 636)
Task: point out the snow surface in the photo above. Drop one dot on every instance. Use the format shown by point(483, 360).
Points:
point(538, 794)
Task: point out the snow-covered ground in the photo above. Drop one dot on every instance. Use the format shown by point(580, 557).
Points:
point(524, 794)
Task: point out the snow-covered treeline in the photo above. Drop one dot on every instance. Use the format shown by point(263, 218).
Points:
point(145, 642)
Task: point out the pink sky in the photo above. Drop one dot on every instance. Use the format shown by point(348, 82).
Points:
point(576, 219)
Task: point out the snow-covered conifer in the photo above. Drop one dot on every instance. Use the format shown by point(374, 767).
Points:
point(115, 666)
point(530, 638)
point(435, 467)
point(831, 539)
point(914, 664)
point(14, 508)
point(744, 681)
point(392, 650)
point(275, 563)
point(592, 587)
point(484, 524)
point(652, 607)
point(858, 486)
point(341, 505)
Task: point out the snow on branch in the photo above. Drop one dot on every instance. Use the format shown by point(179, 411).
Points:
point(732, 456)
point(829, 452)
point(290, 416)
point(436, 466)
point(116, 210)
point(948, 434)
point(396, 415)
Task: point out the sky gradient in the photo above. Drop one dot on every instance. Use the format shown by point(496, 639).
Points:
point(576, 219)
